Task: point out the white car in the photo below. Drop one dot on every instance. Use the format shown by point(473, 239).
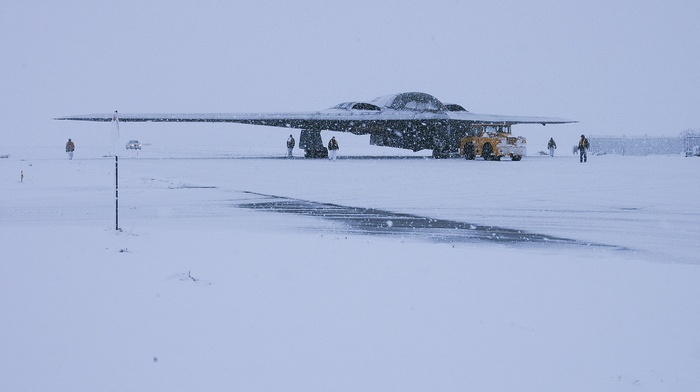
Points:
point(133, 145)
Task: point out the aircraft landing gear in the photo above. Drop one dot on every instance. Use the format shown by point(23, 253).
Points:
point(312, 144)
point(311, 153)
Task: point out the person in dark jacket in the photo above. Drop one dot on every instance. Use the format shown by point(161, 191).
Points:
point(551, 146)
point(332, 148)
point(290, 146)
point(70, 147)
point(582, 149)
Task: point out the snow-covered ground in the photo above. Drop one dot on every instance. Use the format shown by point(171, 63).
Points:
point(196, 293)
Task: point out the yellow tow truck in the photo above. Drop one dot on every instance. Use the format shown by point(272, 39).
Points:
point(493, 143)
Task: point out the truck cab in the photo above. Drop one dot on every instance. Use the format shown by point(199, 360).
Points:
point(493, 143)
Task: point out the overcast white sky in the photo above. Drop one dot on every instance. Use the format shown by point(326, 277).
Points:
point(616, 66)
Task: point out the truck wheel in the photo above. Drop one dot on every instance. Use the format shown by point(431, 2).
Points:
point(516, 157)
point(469, 153)
point(487, 152)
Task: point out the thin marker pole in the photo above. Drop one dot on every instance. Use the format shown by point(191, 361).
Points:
point(116, 189)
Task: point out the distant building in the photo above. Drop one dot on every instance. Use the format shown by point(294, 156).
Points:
point(688, 143)
point(691, 142)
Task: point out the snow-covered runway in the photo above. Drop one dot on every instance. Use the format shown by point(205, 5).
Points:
point(196, 292)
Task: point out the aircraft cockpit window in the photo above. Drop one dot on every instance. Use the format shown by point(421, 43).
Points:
point(365, 106)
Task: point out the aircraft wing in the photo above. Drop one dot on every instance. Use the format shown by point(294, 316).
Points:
point(406, 120)
point(355, 121)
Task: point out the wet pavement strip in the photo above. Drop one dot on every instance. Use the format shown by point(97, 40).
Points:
point(371, 221)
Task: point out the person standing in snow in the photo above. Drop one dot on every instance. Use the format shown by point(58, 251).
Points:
point(333, 148)
point(582, 148)
point(290, 146)
point(551, 146)
point(70, 147)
